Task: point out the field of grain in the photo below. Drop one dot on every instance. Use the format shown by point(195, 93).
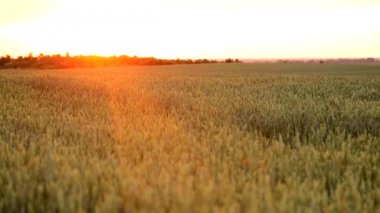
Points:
point(191, 138)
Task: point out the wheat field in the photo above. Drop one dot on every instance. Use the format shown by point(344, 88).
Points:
point(191, 138)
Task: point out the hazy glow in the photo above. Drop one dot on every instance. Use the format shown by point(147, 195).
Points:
point(196, 28)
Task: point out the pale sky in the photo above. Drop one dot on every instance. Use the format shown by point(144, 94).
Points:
point(192, 28)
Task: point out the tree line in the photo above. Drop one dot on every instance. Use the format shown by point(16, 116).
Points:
point(60, 62)
point(330, 60)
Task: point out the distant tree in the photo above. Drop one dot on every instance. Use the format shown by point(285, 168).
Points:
point(229, 60)
point(41, 56)
point(5, 60)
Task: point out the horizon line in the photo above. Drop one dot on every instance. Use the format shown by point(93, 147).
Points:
point(195, 58)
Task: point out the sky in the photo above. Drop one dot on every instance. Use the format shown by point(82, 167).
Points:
point(192, 29)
